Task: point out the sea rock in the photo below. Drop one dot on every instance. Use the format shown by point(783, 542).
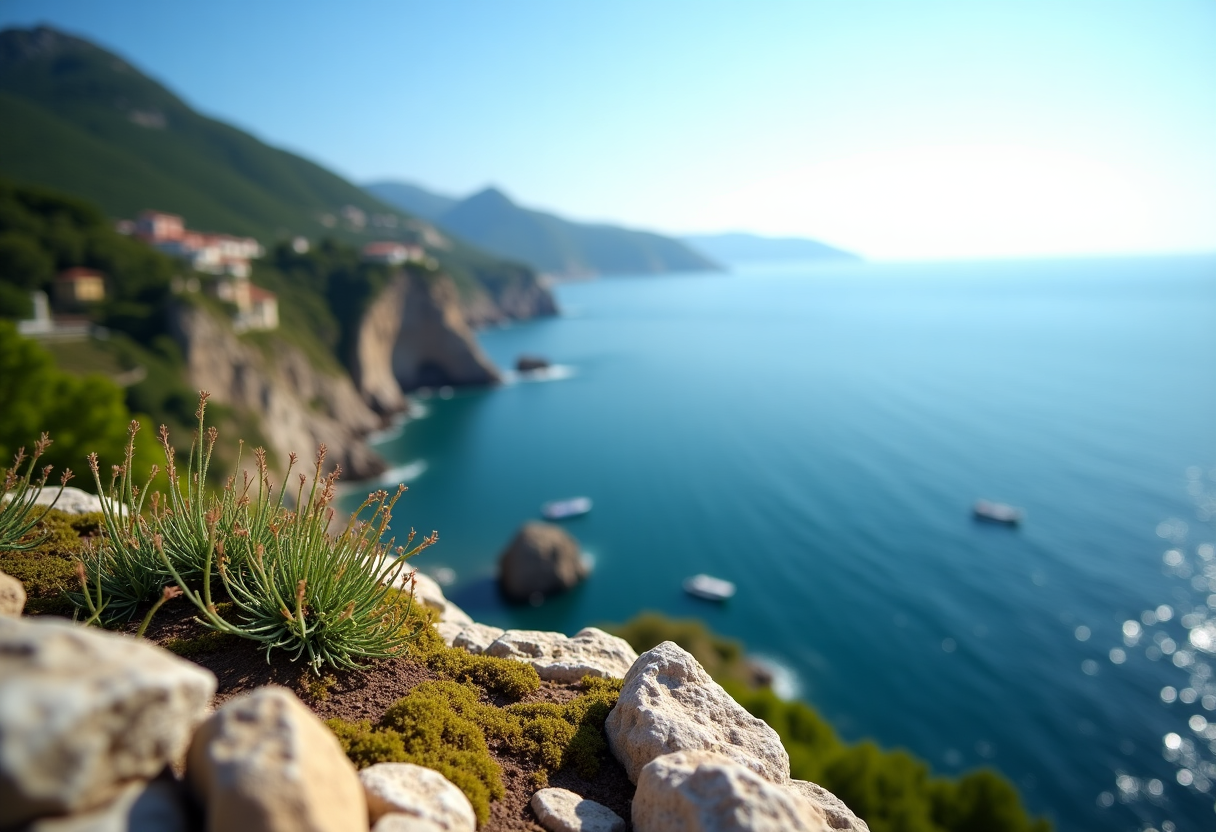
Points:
point(589, 652)
point(541, 560)
point(528, 363)
point(158, 806)
point(561, 810)
point(838, 815)
point(472, 637)
point(12, 596)
point(420, 794)
point(669, 703)
point(83, 712)
point(264, 762)
point(701, 791)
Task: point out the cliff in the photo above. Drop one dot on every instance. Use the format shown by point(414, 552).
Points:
point(298, 405)
point(415, 335)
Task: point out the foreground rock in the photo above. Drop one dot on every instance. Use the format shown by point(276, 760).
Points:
point(264, 762)
point(838, 815)
point(12, 596)
point(541, 560)
point(159, 806)
point(669, 703)
point(561, 810)
point(420, 794)
point(700, 791)
point(589, 652)
point(83, 712)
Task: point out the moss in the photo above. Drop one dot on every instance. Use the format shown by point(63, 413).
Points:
point(505, 677)
point(208, 642)
point(317, 689)
point(48, 571)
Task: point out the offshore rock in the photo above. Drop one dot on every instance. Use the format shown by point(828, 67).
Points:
point(669, 703)
point(541, 560)
point(561, 810)
point(420, 794)
point(12, 596)
point(590, 652)
point(83, 712)
point(700, 791)
point(264, 763)
point(838, 815)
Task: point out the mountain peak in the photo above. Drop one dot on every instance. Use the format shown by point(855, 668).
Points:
point(19, 46)
point(491, 195)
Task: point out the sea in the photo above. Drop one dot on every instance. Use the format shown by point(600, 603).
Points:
point(818, 434)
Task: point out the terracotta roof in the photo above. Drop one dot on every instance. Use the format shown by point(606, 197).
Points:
point(257, 293)
point(79, 273)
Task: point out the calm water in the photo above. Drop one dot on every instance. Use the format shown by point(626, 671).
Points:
point(818, 436)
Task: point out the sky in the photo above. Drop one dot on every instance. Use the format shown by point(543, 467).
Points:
point(900, 130)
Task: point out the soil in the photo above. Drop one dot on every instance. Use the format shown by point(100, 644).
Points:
point(239, 666)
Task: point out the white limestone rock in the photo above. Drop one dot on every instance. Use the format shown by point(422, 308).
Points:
point(589, 652)
point(701, 791)
point(158, 806)
point(12, 596)
point(421, 794)
point(405, 823)
point(83, 712)
point(561, 810)
point(669, 703)
point(472, 637)
point(264, 763)
point(838, 815)
point(426, 591)
point(72, 501)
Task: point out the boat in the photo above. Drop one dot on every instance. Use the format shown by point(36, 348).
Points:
point(561, 509)
point(998, 513)
point(709, 587)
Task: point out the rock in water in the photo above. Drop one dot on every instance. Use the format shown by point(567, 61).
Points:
point(542, 560)
point(420, 794)
point(590, 652)
point(528, 363)
point(12, 596)
point(83, 712)
point(264, 763)
point(700, 791)
point(561, 810)
point(669, 703)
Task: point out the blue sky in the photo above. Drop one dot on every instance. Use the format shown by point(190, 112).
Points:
point(902, 130)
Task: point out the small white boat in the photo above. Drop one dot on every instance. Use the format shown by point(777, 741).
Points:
point(709, 587)
point(561, 509)
point(998, 513)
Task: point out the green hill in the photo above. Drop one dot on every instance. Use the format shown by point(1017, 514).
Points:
point(490, 220)
point(82, 120)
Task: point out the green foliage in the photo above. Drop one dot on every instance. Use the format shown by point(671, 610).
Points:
point(722, 658)
point(48, 570)
point(19, 509)
point(504, 677)
point(83, 414)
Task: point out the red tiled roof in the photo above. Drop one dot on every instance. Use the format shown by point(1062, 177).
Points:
point(79, 273)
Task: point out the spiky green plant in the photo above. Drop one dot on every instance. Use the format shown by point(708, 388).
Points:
point(19, 514)
point(331, 599)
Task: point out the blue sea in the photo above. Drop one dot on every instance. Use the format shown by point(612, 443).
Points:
point(818, 435)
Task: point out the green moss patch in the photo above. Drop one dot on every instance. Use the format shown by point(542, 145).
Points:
point(48, 571)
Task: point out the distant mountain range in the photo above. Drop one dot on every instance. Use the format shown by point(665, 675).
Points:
point(490, 220)
point(739, 249)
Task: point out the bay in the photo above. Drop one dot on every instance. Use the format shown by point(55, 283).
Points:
point(818, 435)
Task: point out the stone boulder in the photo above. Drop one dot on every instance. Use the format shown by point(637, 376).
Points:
point(12, 596)
point(561, 810)
point(158, 806)
point(472, 637)
point(838, 815)
point(669, 703)
point(264, 763)
point(700, 791)
point(541, 560)
point(83, 712)
point(531, 363)
point(557, 658)
point(422, 795)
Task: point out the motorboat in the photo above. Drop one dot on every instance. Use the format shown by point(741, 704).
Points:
point(709, 587)
point(562, 509)
point(991, 512)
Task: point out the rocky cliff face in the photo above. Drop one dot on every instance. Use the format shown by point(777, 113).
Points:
point(298, 405)
point(517, 300)
point(414, 335)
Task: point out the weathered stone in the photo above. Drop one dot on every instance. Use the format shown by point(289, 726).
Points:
point(405, 823)
point(264, 763)
point(418, 793)
point(12, 596)
point(72, 501)
point(590, 652)
point(669, 703)
point(561, 810)
point(839, 816)
point(541, 560)
point(700, 791)
point(83, 711)
point(158, 806)
point(472, 637)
